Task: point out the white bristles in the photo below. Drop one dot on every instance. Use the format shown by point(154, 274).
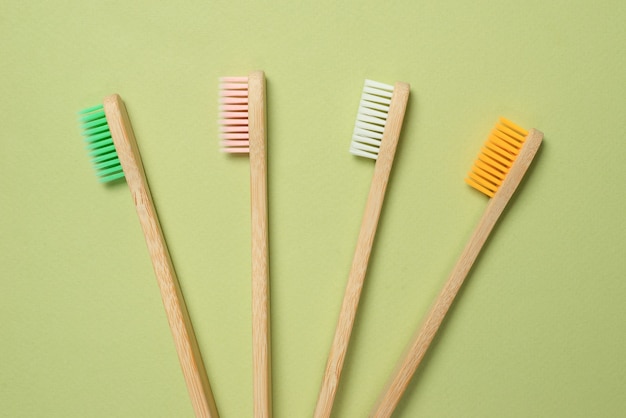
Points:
point(233, 117)
point(371, 119)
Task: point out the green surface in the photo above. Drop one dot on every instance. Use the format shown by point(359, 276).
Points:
point(539, 327)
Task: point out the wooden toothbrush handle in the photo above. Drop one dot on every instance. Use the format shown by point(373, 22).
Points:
point(339, 347)
point(416, 350)
point(261, 340)
point(175, 309)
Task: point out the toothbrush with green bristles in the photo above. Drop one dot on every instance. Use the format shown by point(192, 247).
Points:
point(113, 149)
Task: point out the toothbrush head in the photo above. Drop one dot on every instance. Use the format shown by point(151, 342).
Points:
point(100, 144)
point(371, 119)
point(496, 157)
point(233, 117)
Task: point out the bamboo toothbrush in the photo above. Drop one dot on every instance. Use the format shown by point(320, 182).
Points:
point(115, 155)
point(242, 122)
point(497, 172)
point(376, 133)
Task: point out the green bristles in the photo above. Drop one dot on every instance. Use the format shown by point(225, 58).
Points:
point(100, 144)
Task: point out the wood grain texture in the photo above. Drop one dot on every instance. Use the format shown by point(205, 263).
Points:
point(339, 347)
point(175, 309)
point(261, 339)
point(416, 350)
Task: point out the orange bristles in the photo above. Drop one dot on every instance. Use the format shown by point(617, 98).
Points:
point(496, 157)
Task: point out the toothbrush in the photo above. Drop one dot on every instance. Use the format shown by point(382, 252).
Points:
point(115, 155)
point(497, 172)
point(376, 133)
point(242, 125)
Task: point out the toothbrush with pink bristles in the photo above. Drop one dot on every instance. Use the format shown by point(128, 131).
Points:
point(243, 131)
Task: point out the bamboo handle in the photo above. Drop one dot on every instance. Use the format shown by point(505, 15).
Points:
point(261, 341)
point(414, 354)
point(339, 347)
point(175, 309)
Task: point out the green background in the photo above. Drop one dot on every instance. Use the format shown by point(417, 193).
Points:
point(538, 329)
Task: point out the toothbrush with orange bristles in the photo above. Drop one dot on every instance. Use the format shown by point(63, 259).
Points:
point(243, 131)
point(497, 172)
point(376, 133)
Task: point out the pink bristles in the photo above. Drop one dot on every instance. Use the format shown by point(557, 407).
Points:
point(234, 129)
point(234, 92)
point(243, 135)
point(234, 80)
point(234, 107)
point(234, 121)
point(234, 115)
point(234, 100)
point(237, 150)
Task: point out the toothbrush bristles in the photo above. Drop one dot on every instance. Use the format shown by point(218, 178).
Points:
point(371, 119)
point(233, 117)
point(497, 156)
point(100, 144)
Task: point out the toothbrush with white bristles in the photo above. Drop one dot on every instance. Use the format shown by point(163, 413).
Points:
point(376, 133)
point(243, 131)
